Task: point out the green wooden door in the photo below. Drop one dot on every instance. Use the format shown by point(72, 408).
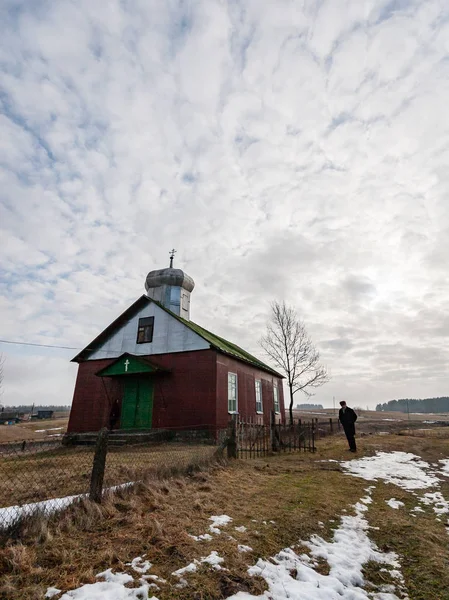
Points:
point(144, 409)
point(137, 405)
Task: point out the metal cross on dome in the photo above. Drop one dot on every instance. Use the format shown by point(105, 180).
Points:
point(172, 256)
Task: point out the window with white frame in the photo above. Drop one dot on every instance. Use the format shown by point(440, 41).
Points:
point(232, 392)
point(259, 405)
point(277, 407)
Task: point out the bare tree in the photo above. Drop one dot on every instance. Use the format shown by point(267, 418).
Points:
point(290, 347)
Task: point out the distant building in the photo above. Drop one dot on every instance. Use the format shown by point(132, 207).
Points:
point(154, 368)
point(43, 414)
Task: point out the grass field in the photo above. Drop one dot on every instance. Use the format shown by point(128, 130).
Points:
point(275, 503)
point(33, 430)
point(372, 415)
point(66, 471)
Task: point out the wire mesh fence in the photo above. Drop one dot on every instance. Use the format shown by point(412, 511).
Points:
point(44, 477)
point(40, 477)
point(169, 455)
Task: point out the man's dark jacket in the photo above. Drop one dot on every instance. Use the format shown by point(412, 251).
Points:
point(347, 418)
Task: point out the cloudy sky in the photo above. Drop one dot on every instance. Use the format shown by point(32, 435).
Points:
point(293, 150)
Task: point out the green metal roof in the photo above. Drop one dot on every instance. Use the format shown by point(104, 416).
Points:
point(221, 344)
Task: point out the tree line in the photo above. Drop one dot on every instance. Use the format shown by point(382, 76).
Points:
point(26, 408)
point(425, 405)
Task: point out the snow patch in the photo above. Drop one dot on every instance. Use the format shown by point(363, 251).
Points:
point(122, 578)
point(113, 588)
point(242, 529)
point(290, 575)
point(52, 591)
point(213, 559)
point(11, 514)
point(202, 537)
point(154, 578)
point(105, 590)
point(242, 548)
point(139, 565)
point(445, 467)
point(403, 469)
point(394, 503)
point(437, 501)
point(218, 521)
point(191, 568)
point(366, 500)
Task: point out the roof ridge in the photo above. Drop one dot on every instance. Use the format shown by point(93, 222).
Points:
point(228, 342)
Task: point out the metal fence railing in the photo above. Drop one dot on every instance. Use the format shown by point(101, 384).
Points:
point(255, 439)
point(251, 438)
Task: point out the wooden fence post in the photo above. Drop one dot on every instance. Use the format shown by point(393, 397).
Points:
point(331, 425)
point(98, 467)
point(232, 440)
point(274, 434)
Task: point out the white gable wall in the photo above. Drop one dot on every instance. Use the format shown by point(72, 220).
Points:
point(169, 335)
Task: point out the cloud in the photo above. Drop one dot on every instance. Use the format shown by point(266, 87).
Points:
point(291, 151)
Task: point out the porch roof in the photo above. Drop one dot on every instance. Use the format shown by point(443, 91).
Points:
point(129, 364)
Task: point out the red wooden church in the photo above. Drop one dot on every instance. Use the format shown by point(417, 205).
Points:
point(154, 368)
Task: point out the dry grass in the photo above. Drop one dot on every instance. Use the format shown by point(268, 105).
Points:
point(66, 471)
point(295, 491)
point(38, 476)
point(431, 432)
point(372, 415)
point(158, 519)
point(421, 542)
point(32, 430)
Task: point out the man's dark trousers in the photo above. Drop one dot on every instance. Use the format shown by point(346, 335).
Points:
point(350, 433)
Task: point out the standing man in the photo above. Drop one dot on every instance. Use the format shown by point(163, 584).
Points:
point(347, 418)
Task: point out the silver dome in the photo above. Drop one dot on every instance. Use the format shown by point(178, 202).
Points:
point(169, 276)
